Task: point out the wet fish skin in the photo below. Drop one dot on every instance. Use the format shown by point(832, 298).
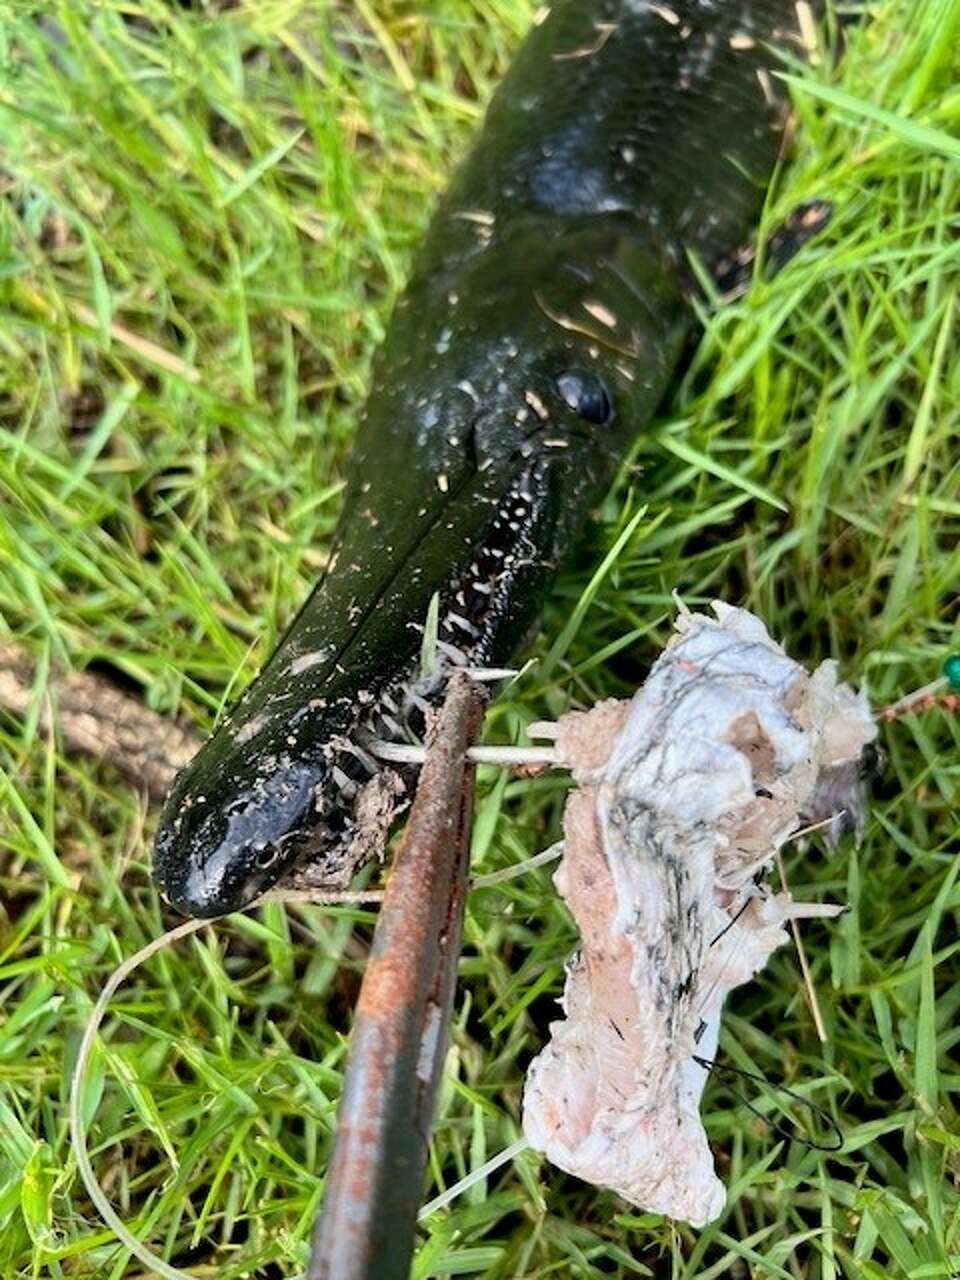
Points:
point(545, 317)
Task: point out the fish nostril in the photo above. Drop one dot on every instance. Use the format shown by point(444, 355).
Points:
point(265, 858)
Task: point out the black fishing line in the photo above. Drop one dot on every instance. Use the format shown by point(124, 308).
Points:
point(724, 1071)
point(727, 927)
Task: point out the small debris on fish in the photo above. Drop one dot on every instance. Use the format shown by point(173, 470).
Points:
point(601, 313)
point(381, 800)
point(668, 15)
point(685, 793)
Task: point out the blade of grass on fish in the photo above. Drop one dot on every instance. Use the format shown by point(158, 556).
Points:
point(428, 647)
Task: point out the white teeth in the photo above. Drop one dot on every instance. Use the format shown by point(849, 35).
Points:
point(346, 784)
point(390, 718)
point(398, 752)
point(462, 623)
point(456, 656)
point(358, 753)
point(393, 728)
point(414, 699)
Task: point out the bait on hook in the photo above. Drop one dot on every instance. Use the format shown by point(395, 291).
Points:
point(685, 794)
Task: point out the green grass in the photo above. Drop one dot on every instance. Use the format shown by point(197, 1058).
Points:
point(241, 186)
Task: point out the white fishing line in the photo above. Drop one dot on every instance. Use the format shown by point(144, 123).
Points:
point(78, 1133)
point(78, 1080)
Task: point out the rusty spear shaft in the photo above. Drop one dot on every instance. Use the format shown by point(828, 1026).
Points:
point(375, 1181)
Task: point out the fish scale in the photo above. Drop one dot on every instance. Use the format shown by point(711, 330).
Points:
point(546, 314)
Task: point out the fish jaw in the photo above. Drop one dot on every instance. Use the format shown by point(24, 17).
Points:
point(210, 859)
point(279, 782)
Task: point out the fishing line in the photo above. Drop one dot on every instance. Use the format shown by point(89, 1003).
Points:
point(733, 920)
point(78, 1079)
point(723, 1070)
point(78, 1133)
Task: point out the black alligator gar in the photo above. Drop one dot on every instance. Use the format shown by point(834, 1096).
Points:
point(546, 315)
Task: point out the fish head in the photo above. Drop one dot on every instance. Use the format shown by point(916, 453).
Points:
point(210, 857)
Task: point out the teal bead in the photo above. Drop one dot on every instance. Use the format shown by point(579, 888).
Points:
point(951, 669)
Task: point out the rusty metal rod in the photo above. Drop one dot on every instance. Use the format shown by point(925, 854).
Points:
point(374, 1185)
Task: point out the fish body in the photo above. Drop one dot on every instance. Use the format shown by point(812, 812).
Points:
point(545, 316)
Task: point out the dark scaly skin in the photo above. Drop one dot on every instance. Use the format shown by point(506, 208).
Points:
point(545, 317)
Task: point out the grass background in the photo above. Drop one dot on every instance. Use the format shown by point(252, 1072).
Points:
point(205, 213)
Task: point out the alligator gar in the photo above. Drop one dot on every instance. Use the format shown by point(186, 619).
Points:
point(547, 313)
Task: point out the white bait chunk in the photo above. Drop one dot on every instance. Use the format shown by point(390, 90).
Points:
point(685, 794)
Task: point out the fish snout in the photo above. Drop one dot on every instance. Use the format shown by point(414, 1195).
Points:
point(211, 859)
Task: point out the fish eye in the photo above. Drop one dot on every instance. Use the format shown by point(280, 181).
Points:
point(586, 395)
